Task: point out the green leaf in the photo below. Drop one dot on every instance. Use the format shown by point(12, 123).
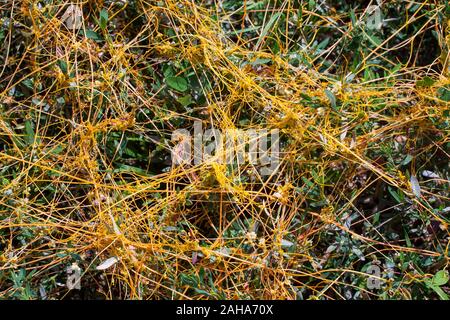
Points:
point(235, 32)
point(185, 100)
point(189, 280)
point(353, 18)
point(444, 94)
point(128, 169)
point(398, 197)
point(308, 183)
point(439, 292)
point(323, 44)
point(319, 179)
point(29, 132)
point(331, 97)
point(260, 61)
point(103, 19)
point(177, 83)
point(376, 217)
point(57, 150)
point(374, 39)
point(407, 160)
point(440, 278)
point(407, 239)
point(29, 83)
point(62, 65)
point(396, 69)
